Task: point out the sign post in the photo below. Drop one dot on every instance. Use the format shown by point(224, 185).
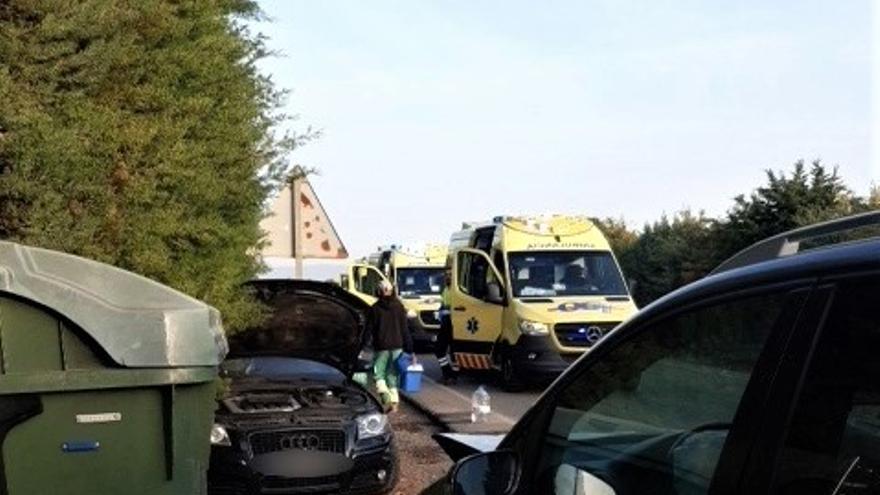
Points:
point(296, 187)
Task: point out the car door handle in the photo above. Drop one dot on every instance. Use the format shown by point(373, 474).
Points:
point(460, 308)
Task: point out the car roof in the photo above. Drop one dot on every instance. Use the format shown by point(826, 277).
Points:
point(839, 259)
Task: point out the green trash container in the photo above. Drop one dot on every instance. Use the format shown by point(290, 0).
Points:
point(106, 379)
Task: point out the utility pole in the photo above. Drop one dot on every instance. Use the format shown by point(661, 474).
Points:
point(297, 227)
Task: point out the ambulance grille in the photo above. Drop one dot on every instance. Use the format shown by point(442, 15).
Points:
point(581, 334)
point(429, 317)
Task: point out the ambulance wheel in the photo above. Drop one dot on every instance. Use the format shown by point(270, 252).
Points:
point(510, 380)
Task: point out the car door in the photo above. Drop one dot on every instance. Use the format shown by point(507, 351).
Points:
point(364, 280)
point(662, 407)
point(825, 438)
point(476, 300)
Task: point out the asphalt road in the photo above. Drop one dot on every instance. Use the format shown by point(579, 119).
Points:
point(510, 405)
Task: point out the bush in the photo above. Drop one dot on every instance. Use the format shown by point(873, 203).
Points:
point(139, 133)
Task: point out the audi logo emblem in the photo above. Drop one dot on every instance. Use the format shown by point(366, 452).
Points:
point(300, 441)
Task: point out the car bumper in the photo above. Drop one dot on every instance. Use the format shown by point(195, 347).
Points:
point(536, 359)
point(423, 335)
point(364, 472)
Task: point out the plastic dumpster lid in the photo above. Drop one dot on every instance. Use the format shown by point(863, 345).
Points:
point(138, 322)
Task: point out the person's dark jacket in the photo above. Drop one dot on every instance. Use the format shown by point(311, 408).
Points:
point(388, 327)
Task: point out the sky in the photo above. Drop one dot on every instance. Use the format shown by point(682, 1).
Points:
point(437, 112)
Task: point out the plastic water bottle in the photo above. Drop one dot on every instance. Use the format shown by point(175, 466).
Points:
point(481, 405)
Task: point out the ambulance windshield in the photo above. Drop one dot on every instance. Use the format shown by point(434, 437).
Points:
point(565, 273)
point(419, 281)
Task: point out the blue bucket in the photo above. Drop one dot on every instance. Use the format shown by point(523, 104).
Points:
point(411, 379)
point(402, 363)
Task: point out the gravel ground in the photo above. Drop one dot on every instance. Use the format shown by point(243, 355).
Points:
point(422, 462)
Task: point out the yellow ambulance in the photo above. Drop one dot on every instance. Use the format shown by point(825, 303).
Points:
point(416, 271)
point(362, 280)
point(531, 294)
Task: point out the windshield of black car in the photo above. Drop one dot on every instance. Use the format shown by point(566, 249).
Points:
point(419, 281)
point(279, 368)
point(565, 273)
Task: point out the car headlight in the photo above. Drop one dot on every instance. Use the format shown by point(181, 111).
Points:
point(219, 436)
point(411, 313)
point(533, 327)
point(371, 425)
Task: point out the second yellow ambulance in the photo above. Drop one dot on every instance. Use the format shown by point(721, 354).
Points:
point(416, 271)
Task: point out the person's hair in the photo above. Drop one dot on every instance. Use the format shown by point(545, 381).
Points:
point(384, 287)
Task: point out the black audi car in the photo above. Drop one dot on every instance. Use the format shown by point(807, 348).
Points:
point(291, 420)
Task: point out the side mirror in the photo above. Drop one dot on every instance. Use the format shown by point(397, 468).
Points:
point(494, 472)
point(493, 293)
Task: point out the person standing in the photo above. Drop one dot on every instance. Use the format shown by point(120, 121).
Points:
point(443, 346)
point(390, 337)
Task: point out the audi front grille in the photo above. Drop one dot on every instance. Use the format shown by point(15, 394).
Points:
point(315, 440)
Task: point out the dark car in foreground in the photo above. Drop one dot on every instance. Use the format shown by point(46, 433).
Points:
point(291, 420)
point(764, 377)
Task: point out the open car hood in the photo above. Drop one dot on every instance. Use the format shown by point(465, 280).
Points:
point(311, 320)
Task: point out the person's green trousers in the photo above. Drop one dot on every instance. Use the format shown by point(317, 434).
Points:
point(386, 376)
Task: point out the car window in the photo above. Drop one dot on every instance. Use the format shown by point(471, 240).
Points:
point(484, 239)
point(474, 275)
point(369, 282)
point(653, 415)
point(833, 440)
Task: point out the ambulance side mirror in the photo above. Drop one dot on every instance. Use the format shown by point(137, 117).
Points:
point(493, 293)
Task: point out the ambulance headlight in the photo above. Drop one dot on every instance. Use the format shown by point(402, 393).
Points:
point(411, 313)
point(528, 327)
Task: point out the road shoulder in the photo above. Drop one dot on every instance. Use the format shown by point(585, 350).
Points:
point(451, 410)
